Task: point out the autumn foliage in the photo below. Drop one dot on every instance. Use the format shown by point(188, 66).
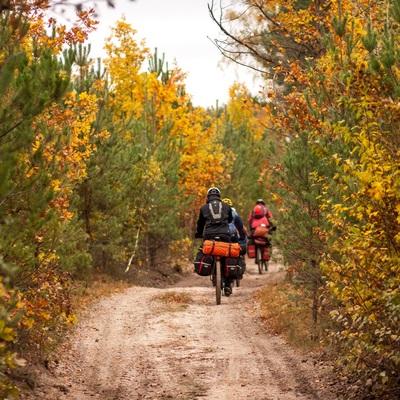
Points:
point(102, 166)
point(333, 87)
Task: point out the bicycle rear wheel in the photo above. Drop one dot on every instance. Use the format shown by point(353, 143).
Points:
point(218, 281)
point(259, 259)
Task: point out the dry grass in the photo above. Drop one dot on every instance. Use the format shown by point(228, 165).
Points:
point(286, 312)
point(84, 293)
point(174, 301)
point(174, 297)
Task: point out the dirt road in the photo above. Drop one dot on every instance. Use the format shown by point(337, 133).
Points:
point(134, 345)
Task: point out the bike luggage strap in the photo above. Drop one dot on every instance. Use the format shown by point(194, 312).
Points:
point(214, 242)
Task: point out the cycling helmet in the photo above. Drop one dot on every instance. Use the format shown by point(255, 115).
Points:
point(260, 201)
point(214, 191)
point(228, 201)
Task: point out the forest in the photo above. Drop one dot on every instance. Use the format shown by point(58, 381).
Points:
point(105, 162)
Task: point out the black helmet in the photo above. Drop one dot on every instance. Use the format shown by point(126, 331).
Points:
point(214, 191)
point(260, 201)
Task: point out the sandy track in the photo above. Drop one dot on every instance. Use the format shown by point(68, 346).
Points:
point(134, 346)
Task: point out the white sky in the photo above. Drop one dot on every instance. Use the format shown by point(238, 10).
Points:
point(181, 30)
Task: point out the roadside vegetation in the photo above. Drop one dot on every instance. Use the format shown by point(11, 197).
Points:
point(333, 72)
point(104, 164)
point(286, 311)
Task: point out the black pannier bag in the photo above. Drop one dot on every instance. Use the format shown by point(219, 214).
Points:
point(233, 268)
point(203, 264)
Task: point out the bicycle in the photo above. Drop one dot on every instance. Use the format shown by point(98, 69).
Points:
point(217, 279)
point(223, 284)
point(261, 244)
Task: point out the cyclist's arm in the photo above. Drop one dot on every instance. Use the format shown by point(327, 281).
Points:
point(201, 221)
point(240, 227)
point(230, 215)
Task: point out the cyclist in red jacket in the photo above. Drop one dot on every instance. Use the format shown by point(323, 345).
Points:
point(260, 215)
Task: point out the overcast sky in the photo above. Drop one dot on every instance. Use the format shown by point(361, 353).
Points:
point(181, 30)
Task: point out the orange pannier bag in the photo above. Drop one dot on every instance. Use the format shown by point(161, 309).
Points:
point(222, 249)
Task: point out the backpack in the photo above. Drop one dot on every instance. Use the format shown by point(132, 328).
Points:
point(259, 211)
point(216, 212)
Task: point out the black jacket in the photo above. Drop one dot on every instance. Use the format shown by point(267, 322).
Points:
point(208, 227)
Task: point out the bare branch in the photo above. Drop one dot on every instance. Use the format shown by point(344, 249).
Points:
point(229, 54)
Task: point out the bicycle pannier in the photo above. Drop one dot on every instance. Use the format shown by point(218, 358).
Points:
point(251, 251)
point(222, 249)
point(232, 268)
point(266, 255)
point(203, 264)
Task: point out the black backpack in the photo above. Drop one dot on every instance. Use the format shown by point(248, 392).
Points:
point(217, 213)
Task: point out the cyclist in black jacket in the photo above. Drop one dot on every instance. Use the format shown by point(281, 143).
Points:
point(214, 218)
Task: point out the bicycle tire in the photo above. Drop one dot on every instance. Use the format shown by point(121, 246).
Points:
point(218, 282)
point(259, 259)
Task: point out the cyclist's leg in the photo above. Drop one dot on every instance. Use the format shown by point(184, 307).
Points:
point(227, 281)
point(218, 281)
point(213, 274)
point(256, 259)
